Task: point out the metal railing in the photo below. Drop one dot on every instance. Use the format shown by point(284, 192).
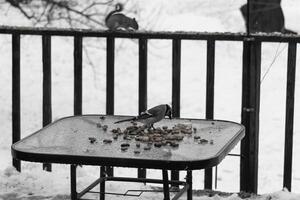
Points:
point(250, 85)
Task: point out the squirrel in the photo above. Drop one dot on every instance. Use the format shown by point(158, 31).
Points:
point(120, 21)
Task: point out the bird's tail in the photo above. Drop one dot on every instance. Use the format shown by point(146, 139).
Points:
point(125, 120)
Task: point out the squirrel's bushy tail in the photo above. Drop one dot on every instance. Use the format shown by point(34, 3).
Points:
point(118, 8)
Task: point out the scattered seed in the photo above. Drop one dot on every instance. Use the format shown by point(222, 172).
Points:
point(173, 144)
point(169, 142)
point(187, 131)
point(114, 131)
point(92, 140)
point(125, 145)
point(102, 117)
point(179, 137)
point(134, 123)
point(196, 137)
point(115, 137)
point(144, 139)
point(157, 139)
point(104, 127)
point(171, 137)
point(147, 148)
point(107, 141)
point(158, 144)
point(124, 149)
point(136, 152)
point(133, 133)
point(203, 141)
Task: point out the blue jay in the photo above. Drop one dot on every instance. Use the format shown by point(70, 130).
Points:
point(151, 116)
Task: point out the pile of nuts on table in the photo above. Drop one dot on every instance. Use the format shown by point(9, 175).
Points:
point(157, 137)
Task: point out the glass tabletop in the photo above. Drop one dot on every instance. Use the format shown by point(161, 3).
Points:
point(97, 140)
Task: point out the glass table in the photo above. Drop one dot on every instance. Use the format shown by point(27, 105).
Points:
point(177, 144)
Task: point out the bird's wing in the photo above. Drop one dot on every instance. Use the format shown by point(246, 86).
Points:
point(157, 110)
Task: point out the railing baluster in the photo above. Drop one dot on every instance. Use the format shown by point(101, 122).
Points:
point(47, 107)
point(142, 85)
point(176, 63)
point(289, 116)
point(16, 105)
point(142, 75)
point(110, 82)
point(77, 75)
point(250, 115)
point(210, 76)
point(110, 74)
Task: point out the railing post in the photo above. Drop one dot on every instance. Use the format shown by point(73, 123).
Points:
point(176, 69)
point(210, 84)
point(47, 108)
point(110, 82)
point(250, 115)
point(142, 85)
point(16, 90)
point(289, 116)
point(77, 75)
point(110, 75)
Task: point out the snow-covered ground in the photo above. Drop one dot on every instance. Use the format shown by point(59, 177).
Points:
point(190, 15)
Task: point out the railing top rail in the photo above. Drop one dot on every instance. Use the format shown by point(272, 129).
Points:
point(264, 37)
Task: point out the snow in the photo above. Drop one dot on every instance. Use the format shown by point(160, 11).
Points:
point(190, 15)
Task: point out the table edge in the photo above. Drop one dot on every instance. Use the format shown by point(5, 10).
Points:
point(127, 162)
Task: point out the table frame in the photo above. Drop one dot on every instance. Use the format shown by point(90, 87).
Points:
point(105, 177)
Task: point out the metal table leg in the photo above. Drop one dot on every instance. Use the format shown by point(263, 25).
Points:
point(189, 181)
point(166, 185)
point(73, 182)
point(102, 182)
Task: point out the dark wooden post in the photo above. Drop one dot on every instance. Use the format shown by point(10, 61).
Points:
point(47, 105)
point(289, 116)
point(77, 75)
point(16, 90)
point(142, 85)
point(210, 84)
point(176, 69)
point(250, 115)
